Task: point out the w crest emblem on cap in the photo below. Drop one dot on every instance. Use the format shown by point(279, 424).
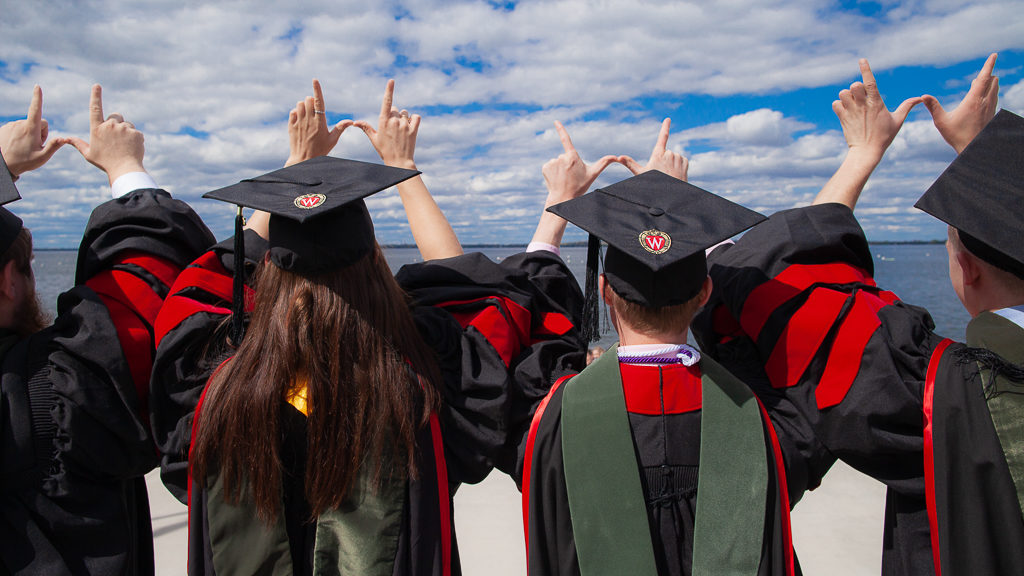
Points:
point(655, 241)
point(310, 201)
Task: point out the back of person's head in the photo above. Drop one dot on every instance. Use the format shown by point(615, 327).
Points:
point(348, 336)
point(20, 251)
point(1004, 275)
point(654, 320)
point(657, 228)
point(24, 314)
point(980, 196)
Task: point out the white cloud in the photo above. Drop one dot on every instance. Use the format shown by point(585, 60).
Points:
point(232, 70)
point(1012, 97)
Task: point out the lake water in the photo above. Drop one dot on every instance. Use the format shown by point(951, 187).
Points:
point(917, 273)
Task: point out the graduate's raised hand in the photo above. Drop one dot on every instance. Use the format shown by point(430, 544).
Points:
point(867, 124)
point(567, 176)
point(308, 134)
point(24, 142)
point(959, 126)
point(114, 145)
point(869, 128)
point(662, 159)
point(394, 139)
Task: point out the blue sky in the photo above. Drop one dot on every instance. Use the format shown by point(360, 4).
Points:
point(747, 83)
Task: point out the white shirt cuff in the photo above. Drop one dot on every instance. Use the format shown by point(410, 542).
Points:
point(536, 246)
point(722, 243)
point(130, 182)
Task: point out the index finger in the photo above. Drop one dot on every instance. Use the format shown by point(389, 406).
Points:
point(564, 136)
point(96, 106)
point(990, 64)
point(868, 77)
point(666, 126)
point(389, 96)
point(35, 107)
point(980, 86)
point(318, 96)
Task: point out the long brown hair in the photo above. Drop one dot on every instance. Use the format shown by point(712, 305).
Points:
point(349, 334)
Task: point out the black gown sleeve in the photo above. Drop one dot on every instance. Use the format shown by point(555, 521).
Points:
point(132, 250)
point(796, 293)
point(76, 438)
point(504, 332)
point(192, 336)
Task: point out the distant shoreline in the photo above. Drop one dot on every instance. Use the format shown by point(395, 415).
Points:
point(579, 244)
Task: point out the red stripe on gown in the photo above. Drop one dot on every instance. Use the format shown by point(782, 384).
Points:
point(504, 323)
point(767, 297)
point(929, 450)
point(528, 461)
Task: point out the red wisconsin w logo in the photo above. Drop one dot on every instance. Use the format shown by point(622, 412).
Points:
point(307, 201)
point(655, 241)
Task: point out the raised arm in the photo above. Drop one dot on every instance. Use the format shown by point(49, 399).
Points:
point(869, 128)
point(566, 177)
point(24, 143)
point(662, 159)
point(394, 139)
point(963, 123)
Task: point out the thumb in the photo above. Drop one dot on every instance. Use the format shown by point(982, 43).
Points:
point(341, 126)
point(371, 133)
point(335, 132)
point(79, 144)
point(52, 146)
point(599, 166)
point(933, 106)
point(628, 161)
point(900, 114)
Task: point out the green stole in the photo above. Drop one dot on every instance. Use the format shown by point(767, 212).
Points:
point(359, 538)
point(606, 500)
point(1006, 405)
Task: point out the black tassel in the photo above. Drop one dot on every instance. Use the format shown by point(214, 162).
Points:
point(238, 296)
point(997, 366)
point(591, 329)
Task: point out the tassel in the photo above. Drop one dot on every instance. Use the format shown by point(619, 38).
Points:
point(591, 330)
point(238, 286)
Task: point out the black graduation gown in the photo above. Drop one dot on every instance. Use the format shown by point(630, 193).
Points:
point(73, 417)
point(797, 294)
point(502, 333)
point(664, 408)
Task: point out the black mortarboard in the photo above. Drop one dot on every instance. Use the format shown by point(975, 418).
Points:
point(318, 220)
point(657, 228)
point(981, 194)
point(10, 225)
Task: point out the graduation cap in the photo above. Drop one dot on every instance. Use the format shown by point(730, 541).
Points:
point(981, 194)
point(10, 225)
point(657, 228)
point(318, 220)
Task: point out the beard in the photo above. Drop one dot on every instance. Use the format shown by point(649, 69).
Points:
point(30, 317)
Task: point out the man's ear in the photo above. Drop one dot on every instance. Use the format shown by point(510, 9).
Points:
point(603, 290)
point(705, 291)
point(969, 267)
point(8, 284)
